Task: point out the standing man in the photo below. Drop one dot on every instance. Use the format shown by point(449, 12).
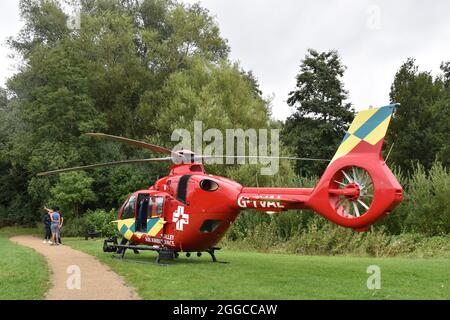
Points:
point(56, 224)
point(47, 220)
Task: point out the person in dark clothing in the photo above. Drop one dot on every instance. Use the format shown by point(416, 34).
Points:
point(47, 220)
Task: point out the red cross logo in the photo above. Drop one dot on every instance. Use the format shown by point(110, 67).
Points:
point(180, 218)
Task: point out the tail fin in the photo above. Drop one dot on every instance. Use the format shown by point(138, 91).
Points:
point(366, 133)
point(358, 188)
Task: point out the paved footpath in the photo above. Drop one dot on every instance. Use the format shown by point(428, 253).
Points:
point(97, 282)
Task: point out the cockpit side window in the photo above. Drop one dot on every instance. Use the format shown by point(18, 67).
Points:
point(128, 210)
point(159, 205)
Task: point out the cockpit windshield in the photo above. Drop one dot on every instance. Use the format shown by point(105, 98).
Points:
point(128, 209)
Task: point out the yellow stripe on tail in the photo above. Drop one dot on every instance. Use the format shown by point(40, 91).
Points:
point(369, 126)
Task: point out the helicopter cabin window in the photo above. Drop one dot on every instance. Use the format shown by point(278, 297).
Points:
point(159, 205)
point(128, 210)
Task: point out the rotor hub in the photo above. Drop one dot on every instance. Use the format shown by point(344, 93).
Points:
point(353, 191)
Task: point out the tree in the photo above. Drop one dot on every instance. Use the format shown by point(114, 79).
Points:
point(441, 118)
point(422, 120)
point(445, 68)
point(118, 74)
point(5, 120)
point(3, 99)
point(321, 114)
point(207, 92)
point(72, 190)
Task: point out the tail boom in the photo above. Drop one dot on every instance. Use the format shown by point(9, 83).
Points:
point(274, 199)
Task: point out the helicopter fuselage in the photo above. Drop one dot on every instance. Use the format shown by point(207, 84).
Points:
point(190, 210)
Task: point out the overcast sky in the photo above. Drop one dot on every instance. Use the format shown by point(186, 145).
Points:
point(270, 37)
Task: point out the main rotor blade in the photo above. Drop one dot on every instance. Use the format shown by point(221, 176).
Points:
point(135, 143)
point(106, 164)
point(200, 157)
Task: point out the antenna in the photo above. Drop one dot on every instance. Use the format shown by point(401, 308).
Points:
point(389, 153)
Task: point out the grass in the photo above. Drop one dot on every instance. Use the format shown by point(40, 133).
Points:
point(250, 275)
point(23, 272)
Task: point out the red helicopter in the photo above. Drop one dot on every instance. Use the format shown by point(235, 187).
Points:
point(190, 211)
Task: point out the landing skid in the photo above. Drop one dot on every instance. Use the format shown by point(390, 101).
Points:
point(111, 245)
point(213, 255)
point(139, 261)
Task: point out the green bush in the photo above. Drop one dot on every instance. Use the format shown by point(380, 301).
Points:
point(339, 241)
point(374, 244)
point(434, 246)
point(426, 205)
point(73, 227)
point(320, 237)
point(101, 220)
point(428, 201)
point(97, 220)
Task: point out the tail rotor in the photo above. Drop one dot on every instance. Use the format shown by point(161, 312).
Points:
point(357, 203)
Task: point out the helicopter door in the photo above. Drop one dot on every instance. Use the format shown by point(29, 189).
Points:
point(155, 224)
point(143, 209)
